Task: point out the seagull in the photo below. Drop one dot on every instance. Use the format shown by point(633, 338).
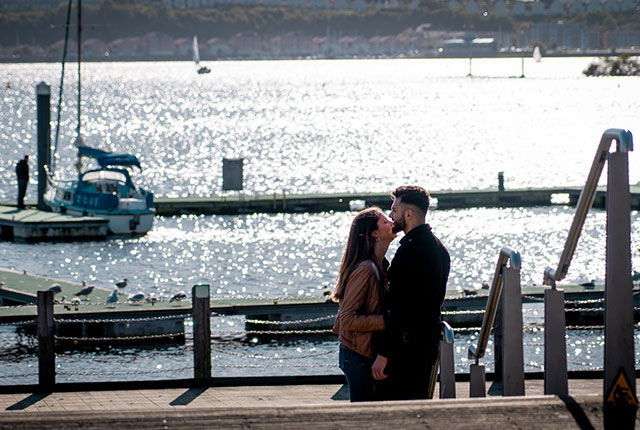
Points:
point(589, 284)
point(56, 288)
point(136, 298)
point(151, 298)
point(485, 285)
point(85, 292)
point(121, 283)
point(113, 298)
point(180, 295)
point(469, 291)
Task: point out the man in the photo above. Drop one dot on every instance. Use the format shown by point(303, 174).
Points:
point(408, 347)
point(22, 172)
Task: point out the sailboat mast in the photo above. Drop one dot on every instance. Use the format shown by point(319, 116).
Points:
point(79, 62)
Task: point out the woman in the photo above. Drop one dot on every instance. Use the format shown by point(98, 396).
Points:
point(361, 275)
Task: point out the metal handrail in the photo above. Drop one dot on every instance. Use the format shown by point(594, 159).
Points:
point(506, 255)
point(446, 335)
point(624, 141)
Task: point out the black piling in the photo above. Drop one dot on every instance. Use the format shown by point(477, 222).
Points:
point(201, 334)
point(43, 93)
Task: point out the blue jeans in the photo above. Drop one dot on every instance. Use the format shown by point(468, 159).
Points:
point(357, 369)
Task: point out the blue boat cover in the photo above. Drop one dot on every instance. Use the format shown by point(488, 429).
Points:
point(106, 159)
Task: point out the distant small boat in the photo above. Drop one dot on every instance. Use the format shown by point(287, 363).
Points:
point(196, 57)
point(537, 55)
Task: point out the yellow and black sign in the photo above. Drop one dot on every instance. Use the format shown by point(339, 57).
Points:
point(621, 395)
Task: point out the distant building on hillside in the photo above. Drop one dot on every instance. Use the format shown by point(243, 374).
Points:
point(218, 48)
point(246, 44)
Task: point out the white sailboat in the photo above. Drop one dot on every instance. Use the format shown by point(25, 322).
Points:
point(196, 57)
point(537, 55)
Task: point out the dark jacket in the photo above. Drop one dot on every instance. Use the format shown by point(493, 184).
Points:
point(418, 279)
point(22, 170)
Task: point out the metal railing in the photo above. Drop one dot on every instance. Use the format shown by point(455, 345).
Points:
point(624, 141)
point(507, 255)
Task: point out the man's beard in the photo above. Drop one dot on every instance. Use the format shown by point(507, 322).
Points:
point(398, 225)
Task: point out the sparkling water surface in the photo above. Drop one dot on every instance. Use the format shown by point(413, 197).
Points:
point(315, 126)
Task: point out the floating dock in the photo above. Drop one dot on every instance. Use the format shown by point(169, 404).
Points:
point(32, 225)
point(163, 319)
point(313, 203)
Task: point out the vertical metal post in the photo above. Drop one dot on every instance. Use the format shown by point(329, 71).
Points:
point(500, 181)
point(512, 360)
point(447, 371)
point(201, 333)
point(555, 346)
point(46, 347)
point(477, 381)
point(618, 329)
point(43, 95)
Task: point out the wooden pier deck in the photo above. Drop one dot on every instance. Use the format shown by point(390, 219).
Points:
point(32, 225)
point(318, 406)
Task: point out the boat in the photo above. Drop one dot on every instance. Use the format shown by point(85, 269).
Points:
point(196, 58)
point(537, 55)
point(105, 191)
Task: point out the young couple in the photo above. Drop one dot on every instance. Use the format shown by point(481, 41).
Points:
point(388, 321)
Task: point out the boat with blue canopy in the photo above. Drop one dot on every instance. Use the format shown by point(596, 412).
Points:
point(106, 191)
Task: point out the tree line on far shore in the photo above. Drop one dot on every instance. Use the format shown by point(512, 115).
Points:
point(111, 20)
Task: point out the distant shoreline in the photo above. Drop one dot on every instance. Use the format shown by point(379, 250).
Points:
point(525, 54)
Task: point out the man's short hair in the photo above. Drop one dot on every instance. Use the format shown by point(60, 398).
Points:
point(413, 195)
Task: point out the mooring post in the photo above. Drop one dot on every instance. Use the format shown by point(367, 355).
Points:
point(512, 359)
point(46, 347)
point(201, 333)
point(619, 362)
point(43, 95)
point(555, 345)
point(500, 181)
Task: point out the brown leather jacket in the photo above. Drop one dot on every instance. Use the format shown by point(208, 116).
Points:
point(359, 310)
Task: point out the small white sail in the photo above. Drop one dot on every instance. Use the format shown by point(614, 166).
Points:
point(537, 55)
point(196, 51)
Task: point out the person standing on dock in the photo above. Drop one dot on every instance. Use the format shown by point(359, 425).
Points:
point(408, 346)
point(22, 172)
point(360, 280)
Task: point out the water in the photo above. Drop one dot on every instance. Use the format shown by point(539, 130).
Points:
point(316, 126)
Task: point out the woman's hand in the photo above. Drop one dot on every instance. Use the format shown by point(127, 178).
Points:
point(377, 370)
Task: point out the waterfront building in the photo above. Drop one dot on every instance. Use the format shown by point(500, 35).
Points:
point(218, 48)
point(246, 44)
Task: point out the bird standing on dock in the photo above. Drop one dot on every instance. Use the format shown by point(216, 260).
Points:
point(56, 288)
point(113, 298)
point(135, 298)
point(122, 284)
point(151, 298)
point(180, 295)
point(590, 284)
point(85, 292)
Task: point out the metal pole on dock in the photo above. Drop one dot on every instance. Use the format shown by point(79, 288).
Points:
point(619, 357)
point(43, 95)
point(555, 346)
point(46, 347)
point(201, 333)
point(512, 357)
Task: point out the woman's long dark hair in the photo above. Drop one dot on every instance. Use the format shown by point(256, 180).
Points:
point(360, 247)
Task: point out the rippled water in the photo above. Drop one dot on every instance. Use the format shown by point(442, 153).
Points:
point(316, 126)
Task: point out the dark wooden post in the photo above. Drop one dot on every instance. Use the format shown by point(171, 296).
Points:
point(43, 93)
point(498, 346)
point(201, 334)
point(46, 347)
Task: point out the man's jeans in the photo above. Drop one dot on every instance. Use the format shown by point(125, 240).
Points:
point(22, 191)
point(357, 369)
